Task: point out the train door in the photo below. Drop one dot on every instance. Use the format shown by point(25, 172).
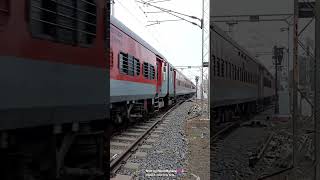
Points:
point(261, 85)
point(174, 82)
point(159, 75)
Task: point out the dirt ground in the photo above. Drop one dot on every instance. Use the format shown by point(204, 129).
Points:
point(197, 132)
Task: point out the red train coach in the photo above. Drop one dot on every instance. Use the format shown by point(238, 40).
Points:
point(53, 69)
point(53, 66)
point(142, 80)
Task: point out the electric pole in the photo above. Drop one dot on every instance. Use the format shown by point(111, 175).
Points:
point(295, 76)
point(278, 56)
point(317, 91)
point(197, 80)
point(112, 7)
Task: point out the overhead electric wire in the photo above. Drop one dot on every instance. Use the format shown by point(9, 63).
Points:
point(131, 13)
point(160, 1)
point(163, 10)
point(143, 24)
point(168, 10)
point(171, 12)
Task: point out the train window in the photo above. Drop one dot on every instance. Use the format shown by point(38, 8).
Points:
point(123, 63)
point(246, 76)
point(110, 58)
point(225, 69)
point(236, 71)
point(243, 76)
point(164, 71)
point(137, 66)
point(130, 63)
point(214, 65)
point(251, 78)
point(222, 68)
point(230, 76)
point(152, 72)
point(71, 22)
point(233, 72)
point(146, 70)
point(218, 67)
point(157, 72)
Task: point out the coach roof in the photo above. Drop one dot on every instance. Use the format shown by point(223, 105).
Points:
point(133, 35)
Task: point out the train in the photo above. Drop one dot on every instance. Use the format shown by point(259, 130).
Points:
point(142, 80)
point(240, 84)
point(55, 64)
point(54, 86)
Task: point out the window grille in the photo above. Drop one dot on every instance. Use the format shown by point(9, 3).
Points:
point(152, 72)
point(123, 63)
point(222, 68)
point(64, 21)
point(146, 70)
point(238, 74)
point(214, 65)
point(111, 58)
point(137, 66)
point(226, 69)
point(218, 67)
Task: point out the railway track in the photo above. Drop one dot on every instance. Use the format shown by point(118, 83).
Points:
point(231, 126)
point(127, 143)
point(227, 129)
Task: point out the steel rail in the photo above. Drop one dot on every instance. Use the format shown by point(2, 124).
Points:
point(117, 162)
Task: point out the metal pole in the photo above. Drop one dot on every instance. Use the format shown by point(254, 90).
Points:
point(202, 49)
point(288, 68)
point(112, 7)
point(317, 91)
point(294, 86)
point(197, 79)
point(276, 109)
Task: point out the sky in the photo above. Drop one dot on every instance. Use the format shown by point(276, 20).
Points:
point(261, 36)
point(178, 41)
